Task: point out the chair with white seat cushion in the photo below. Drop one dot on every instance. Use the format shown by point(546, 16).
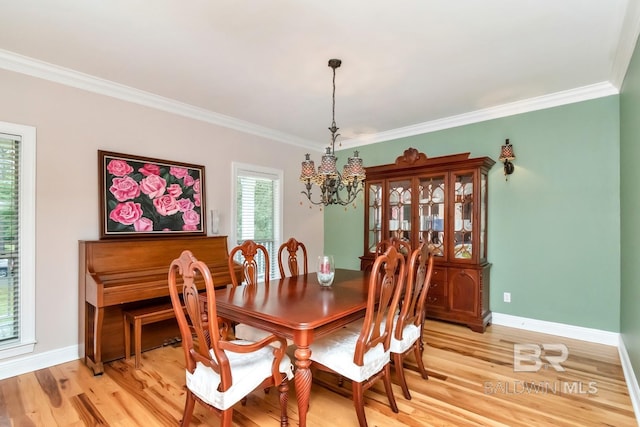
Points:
point(250, 252)
point(363, 356)
point(408, 325)
point(221, 373)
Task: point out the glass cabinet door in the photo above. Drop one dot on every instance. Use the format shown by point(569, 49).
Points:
point(399, 210)
point(463, 216)
point(483, 216)
point(374, 226)
point(431, 213)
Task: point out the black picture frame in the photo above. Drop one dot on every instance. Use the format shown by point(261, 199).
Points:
point(144, 196)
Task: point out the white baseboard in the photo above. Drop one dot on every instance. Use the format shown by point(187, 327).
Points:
point(22, 365)
point(560, 329)
point(630, 378)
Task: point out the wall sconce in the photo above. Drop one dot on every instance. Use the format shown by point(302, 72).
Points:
point(506, 155)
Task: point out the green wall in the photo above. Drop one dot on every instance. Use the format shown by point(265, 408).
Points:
point(630, 207)
point(554, 226)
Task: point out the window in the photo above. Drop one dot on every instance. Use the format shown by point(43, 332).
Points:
point(257, 209)
point(17, 239)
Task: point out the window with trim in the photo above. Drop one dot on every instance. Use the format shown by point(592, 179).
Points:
point(17, 239)
point(257, 210)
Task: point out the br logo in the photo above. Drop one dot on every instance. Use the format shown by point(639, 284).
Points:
point(529, 357)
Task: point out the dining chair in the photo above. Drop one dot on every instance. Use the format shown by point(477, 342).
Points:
point(251, 253)
point(363, 356)
point(409, 323)
point(220, 373)
point(401, 246)
point(293, 246)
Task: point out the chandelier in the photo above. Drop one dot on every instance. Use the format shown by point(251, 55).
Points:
point(335, 188)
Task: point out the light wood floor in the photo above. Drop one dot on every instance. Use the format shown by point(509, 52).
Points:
point(472, 382)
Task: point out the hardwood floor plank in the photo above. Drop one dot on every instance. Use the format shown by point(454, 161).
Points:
point(88, 413)
point(472, 382)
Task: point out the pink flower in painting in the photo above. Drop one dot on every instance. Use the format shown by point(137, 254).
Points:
point(153, 186)
point(188, 181)
point(143, 224)
point(185, 205)
point(126, 213)
point(124, 189)
point(174, 190)
point(149, 169)
point(188, 227)
point(166, 205)
point(191, 218)
point(196, 186)
point(178, 172)
point(196, 199)
point(119, 167)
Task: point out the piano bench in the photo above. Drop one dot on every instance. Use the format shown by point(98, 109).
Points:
point(137, 318)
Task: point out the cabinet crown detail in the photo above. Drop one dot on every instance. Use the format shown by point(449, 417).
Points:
point(412, 157)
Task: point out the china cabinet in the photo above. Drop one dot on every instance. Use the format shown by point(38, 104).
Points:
point(441, 201)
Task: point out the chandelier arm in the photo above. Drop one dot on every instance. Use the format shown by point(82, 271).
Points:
point(307, 193)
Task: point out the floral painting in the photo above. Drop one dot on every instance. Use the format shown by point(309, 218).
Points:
point(142, 196)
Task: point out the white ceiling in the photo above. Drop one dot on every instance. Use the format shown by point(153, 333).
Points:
point(260, 66)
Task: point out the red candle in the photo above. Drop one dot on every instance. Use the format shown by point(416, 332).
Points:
point(324, 267)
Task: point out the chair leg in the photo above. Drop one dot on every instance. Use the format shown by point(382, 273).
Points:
point(399, 368)
point(188, 409)
point(386, 378)
point(283, 388)
point(358, 402)
point(419, 351)
point(226, 417)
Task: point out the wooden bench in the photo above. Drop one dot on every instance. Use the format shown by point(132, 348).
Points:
point(138, 318)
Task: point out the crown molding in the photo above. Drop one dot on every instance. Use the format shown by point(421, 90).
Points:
point(44, 70)
point(584, 93)
point(626, 43)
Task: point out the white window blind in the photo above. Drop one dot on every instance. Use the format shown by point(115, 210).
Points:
point(17, 239)
point(9, 238)
point(258, 207)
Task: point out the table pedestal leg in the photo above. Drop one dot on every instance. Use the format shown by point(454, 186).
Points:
point(303, 382)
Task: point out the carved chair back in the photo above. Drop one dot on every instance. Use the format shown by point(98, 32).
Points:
point(385, 288)
point(251, 252)
point(292, 246)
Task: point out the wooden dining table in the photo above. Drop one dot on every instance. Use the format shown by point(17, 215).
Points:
point(300, 309)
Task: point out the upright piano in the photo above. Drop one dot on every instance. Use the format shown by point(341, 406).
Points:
point(120, 274)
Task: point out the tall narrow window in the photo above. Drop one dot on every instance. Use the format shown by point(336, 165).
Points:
point(257, 209)
point(17, 239)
